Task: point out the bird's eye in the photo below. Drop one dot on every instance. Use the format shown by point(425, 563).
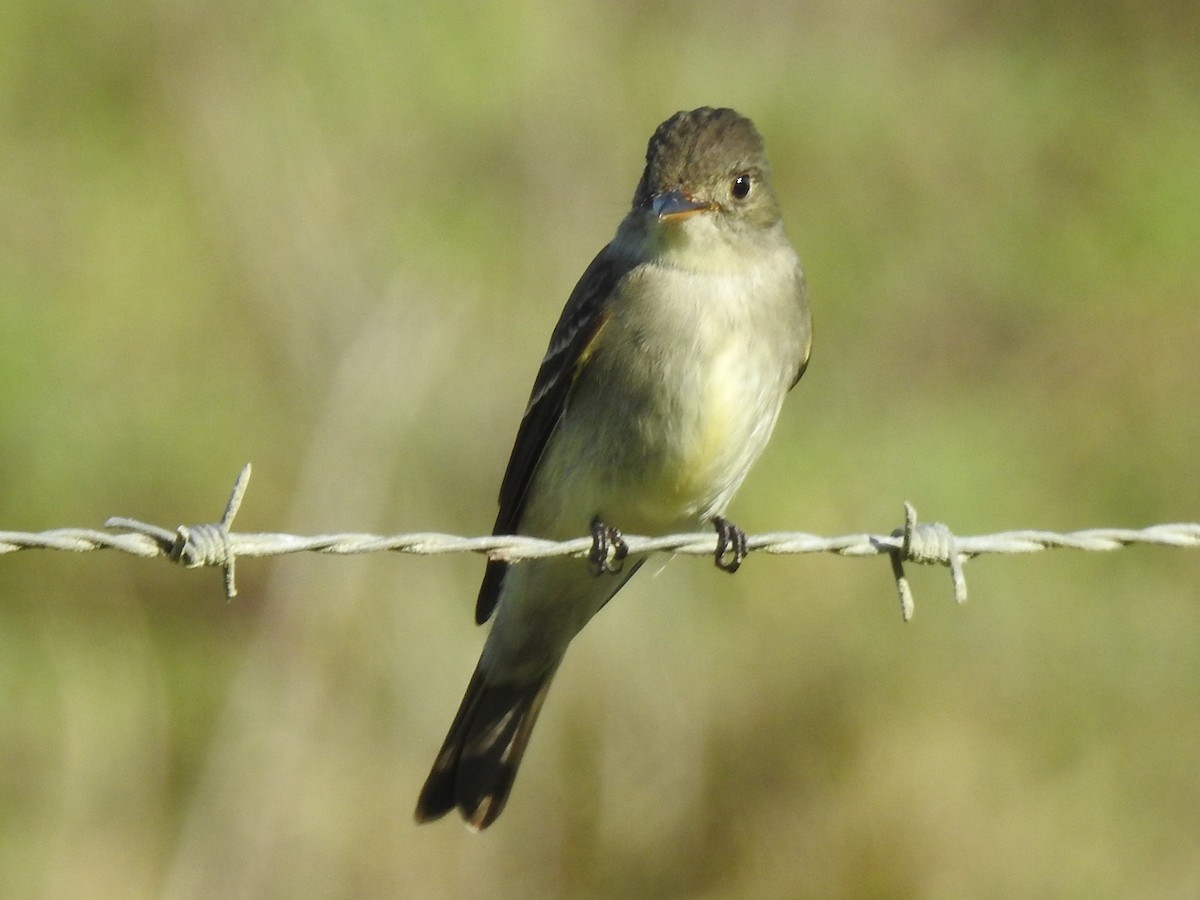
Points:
point(741, 186)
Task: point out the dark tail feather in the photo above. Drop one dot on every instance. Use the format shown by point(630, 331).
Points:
point(478, 761)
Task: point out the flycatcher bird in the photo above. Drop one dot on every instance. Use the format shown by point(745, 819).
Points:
point(661, 385)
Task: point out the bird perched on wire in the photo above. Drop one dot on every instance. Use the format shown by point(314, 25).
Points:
point(659, 390)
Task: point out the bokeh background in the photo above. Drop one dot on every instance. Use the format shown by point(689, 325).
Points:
point(332, 239)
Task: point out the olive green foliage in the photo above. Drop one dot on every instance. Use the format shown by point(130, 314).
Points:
point(332, 239)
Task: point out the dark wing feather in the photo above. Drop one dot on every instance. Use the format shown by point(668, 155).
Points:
point(580, 323)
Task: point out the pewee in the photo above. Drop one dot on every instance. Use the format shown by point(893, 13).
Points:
point(661, 385)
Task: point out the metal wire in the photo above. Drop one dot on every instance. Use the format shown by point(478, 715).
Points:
point(923, 543)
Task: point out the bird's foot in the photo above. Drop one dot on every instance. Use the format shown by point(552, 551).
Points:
point(608, 548)
point(731, 545)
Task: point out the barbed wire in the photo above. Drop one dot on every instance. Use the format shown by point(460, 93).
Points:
point(923, 543)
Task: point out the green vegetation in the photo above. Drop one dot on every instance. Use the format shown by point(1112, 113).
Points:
point(333, 239)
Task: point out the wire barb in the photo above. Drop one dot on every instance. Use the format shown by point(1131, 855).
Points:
point(926, 544)
point(198, 545)
point(929, 544)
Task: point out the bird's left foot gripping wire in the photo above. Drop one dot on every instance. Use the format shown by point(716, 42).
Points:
point(608, 548)
point(731, 545)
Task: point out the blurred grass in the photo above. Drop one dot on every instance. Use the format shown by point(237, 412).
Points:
point(333, 240)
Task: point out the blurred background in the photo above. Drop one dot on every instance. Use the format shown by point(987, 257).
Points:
point(333, 240)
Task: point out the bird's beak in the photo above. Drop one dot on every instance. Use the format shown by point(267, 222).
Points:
point(671, 206)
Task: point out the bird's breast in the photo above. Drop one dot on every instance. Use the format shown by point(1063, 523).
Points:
point(678, 399)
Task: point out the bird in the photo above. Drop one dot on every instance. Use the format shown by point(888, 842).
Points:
point(661, 385)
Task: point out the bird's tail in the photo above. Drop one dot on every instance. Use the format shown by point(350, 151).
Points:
point(475, 768)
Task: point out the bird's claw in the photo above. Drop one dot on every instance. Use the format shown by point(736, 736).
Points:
point(608, 549)
point(731, 545)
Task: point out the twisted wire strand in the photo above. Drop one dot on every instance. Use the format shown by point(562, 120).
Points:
point(923, 543)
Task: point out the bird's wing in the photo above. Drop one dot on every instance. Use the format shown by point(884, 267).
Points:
point(571, 343)
point(806, 349)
